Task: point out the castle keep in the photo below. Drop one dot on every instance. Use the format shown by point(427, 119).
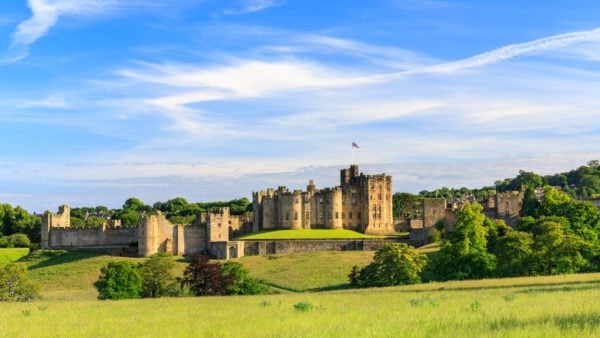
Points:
point(361, 203)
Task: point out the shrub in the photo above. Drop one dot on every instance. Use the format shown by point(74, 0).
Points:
point(4, 243)
point(204, 278)
point(157, 276)
point(303, 306)
point(15, 285)
point(119, 280)
point(241, 284)
point(19, 240)
point(394, 264)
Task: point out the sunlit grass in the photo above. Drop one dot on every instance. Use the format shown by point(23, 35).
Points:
point(12, 254)
point(559, 306)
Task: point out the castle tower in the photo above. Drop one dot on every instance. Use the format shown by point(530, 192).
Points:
point(218, 225)
point(148, 235)
point(62, 219)
point(334, 219)
point(377, 204)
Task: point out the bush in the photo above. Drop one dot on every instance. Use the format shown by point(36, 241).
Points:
point(19, 240)
point(119, 280)
point(4, 243)
point(157, 276)
point(242, 283)
point(15, 285)
point(204, 278)
point(394, 264)
point(434, 235)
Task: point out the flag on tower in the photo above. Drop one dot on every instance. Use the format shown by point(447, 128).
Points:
point(354, 145)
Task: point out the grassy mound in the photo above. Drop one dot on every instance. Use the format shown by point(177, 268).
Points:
point(309, 234)
point(12, 254)
point(558, 306)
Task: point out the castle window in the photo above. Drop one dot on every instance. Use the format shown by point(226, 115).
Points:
point(350, 215)
point(358, 216)
point(287, 216)
point(343, 215)
point(320, 200)
point(295, 215)
point(219, 224)
point(337, 215)
point(307, 215)
point(329, 215)
point(380, 197)
point(353, 200)
point(296, 201)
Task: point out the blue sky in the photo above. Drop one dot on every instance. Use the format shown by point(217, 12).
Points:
point(101, 100)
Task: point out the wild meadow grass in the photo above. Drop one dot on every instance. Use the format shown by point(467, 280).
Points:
point(8, 255)
point(560, 306)
point(550, 306)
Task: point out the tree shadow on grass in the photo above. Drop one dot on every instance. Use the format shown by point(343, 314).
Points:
point(345, 286)
point(45, 258)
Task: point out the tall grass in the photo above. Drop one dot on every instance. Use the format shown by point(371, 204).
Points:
point(560, 306)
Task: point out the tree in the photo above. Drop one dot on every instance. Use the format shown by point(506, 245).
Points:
point(463, 253)
point(242, 283)
point(514, 254)
point(204, 278)
point(530, 203)
point(134, 204)
point(157, 276)
point(119, 280)
point(18, 220)
point(15, 285)
point(19, 241)
point(393, 264)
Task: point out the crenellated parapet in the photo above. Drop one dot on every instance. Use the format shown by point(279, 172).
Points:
point(361, 202)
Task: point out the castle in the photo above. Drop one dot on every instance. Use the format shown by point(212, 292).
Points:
point(361, 203)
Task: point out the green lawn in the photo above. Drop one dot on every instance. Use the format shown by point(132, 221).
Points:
point(306, 271)
point(12, 254)
point(559, 306)
point(311, 234)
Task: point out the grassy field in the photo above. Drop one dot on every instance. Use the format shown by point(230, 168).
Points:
point(560, 306)
point(311, 234)
point(11, 255)
point(309, 271)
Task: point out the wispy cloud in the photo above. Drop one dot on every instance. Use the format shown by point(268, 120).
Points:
point(251, 6)
point(510, 51)
point(45, 14)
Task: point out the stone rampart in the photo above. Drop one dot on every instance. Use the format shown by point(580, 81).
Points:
point(91, 237)
point(235, 249)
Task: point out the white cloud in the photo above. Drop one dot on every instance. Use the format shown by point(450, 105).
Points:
point(251, 6)
point(47, 13)
point(509, 52)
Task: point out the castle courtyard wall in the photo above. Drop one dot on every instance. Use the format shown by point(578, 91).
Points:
point(236, 249)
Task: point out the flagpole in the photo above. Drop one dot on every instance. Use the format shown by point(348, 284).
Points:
point(352, 150)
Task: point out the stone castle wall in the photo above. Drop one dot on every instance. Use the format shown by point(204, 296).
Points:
point(361, 202)
point(508, 206)
point(236, 249)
